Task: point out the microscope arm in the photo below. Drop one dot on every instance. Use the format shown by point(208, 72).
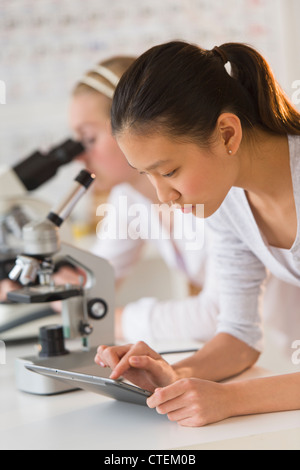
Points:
point(99, 285)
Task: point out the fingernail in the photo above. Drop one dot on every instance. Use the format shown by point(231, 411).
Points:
point(100, 363)
point(134, 359)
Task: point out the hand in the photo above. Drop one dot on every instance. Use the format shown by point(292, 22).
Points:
point(66, 275)
point(6, 285)
point(192, 402)
point(137, 363)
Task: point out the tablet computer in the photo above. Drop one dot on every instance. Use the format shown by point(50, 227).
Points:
point(102, 385)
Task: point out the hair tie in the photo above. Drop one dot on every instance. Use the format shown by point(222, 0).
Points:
point(217, 50)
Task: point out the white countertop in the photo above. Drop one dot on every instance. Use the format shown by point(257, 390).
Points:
point(83, 420)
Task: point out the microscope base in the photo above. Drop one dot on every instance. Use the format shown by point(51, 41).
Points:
point(31, 382)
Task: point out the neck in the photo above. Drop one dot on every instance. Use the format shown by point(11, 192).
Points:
point(265, 165)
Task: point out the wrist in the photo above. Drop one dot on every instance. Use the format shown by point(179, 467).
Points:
point(232, 399)
point(182, 372)
point(241, 398)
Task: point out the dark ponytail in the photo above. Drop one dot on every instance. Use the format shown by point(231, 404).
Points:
point(180, 90)
point(275, 111)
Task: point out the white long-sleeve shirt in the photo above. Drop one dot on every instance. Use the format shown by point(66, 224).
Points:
point(242, 256)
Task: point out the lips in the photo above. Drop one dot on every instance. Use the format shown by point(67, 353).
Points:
point(187, 208)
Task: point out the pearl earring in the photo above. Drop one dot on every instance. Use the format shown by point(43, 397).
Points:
point(230, 152)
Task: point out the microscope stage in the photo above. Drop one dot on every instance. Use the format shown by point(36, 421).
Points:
point(39, 294)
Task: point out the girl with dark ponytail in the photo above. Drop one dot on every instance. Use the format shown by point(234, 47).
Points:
point(213, 127)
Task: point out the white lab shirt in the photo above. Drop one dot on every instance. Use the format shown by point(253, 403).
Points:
point(243, 259)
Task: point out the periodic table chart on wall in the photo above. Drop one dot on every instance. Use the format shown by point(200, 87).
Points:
point(46, 45)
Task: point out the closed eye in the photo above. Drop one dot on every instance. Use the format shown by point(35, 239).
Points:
point(89, 142)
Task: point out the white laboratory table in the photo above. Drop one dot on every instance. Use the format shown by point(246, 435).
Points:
point(83, 420)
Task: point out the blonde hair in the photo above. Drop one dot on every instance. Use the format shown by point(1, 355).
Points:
point(104, 77)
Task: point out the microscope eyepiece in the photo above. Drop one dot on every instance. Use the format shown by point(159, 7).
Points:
point(39, 168)
point(66, 152)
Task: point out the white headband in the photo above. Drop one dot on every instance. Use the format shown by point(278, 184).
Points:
point(99, 86)
point(106, 73)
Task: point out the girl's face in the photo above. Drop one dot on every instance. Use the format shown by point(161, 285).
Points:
point(89, 118)
point(183, 173)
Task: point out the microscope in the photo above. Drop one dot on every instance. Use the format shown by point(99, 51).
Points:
point(17, 209)
point(16, 182)
point(87, 309)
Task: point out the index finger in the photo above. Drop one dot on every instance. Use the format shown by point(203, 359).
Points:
point(110, 355)
point(137, 349)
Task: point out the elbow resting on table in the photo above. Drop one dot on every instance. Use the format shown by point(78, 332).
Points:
point(247, 355)
point(251, 356)
point(244, 356)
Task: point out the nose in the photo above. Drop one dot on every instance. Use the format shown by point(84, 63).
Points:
point(166, 193)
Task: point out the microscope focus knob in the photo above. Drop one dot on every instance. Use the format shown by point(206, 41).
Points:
point(97, 308)
point(85, 329)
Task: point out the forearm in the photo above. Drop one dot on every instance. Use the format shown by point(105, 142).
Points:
point(220, 358)
point(193, 317)
point(264, 395)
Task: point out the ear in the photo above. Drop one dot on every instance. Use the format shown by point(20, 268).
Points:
point(230, 131)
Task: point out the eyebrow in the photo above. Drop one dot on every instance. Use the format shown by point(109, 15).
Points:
point(154, 165)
